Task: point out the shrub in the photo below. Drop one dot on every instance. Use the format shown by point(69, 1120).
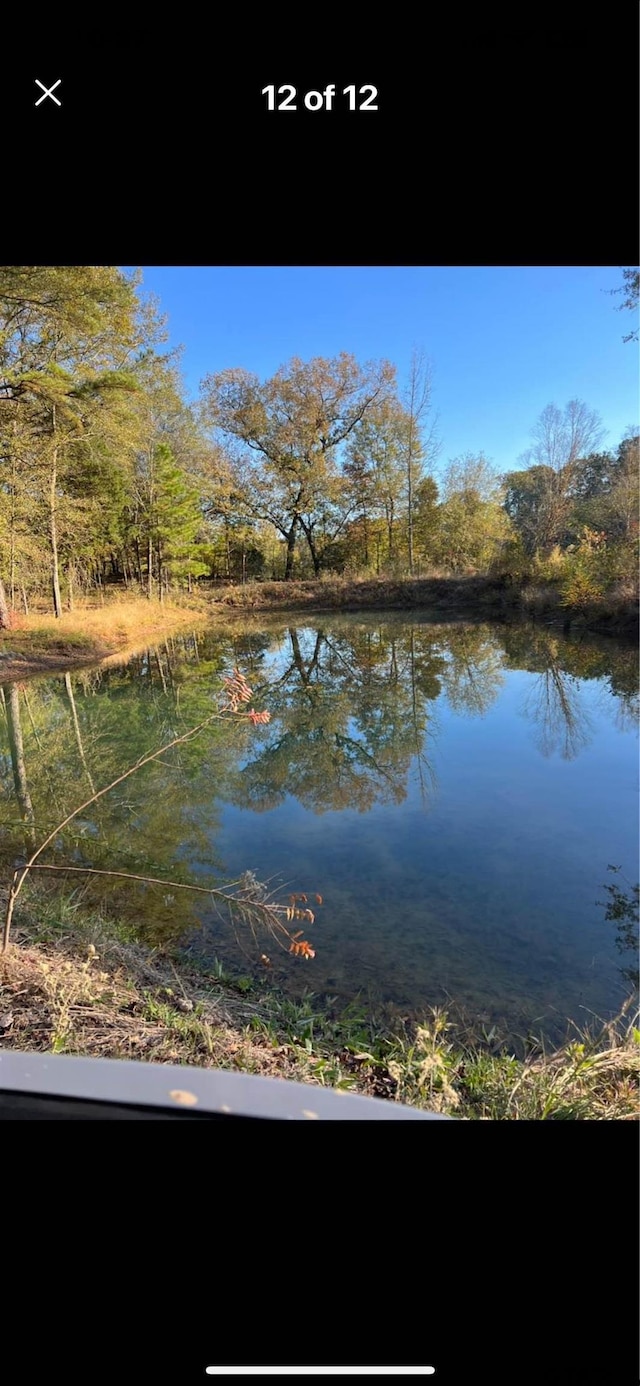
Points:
point(591, 568)
point(551, 567)
point(511, 564)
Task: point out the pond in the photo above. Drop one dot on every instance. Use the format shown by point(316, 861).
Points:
point(455, 793)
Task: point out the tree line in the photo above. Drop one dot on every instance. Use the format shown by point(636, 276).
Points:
point(108, 473)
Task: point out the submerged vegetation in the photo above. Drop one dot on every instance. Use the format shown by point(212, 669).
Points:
point(78, 984)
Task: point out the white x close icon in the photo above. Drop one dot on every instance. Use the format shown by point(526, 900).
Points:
point(48, 91)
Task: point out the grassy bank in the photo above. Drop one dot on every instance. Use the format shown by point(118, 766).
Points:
point(125, 623)
point(469, 596)
point(73, 983)
point(91, 633)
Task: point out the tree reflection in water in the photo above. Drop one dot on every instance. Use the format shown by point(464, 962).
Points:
point(356, 704)
point(562, 722)
point(351, 711)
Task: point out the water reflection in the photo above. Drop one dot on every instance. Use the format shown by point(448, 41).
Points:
point(562, 722)
point(622, 908)
point(11, 705)
point(474, 670)
point(412, 744)
point(350, 716)
point(354, 707)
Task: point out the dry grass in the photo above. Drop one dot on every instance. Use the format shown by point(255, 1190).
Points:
point(92, 632)
point(121, 619)
point(113, 1001)
point(594, 1076)
point(466, 596)
point(437, 592)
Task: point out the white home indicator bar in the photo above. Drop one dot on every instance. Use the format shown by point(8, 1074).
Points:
point(320, 1371)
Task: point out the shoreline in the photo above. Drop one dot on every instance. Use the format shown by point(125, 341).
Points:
point(467, 598)
point(78, 982)
point(100, 635)
point(72, 983)
point(94, 636)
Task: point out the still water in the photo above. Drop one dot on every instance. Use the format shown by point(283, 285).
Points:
point(455, 793)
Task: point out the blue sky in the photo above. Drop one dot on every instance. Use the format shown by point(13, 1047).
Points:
point(504, 341)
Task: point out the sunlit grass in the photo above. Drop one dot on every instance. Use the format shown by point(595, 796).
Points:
point(96, 630)
point(593, 1075)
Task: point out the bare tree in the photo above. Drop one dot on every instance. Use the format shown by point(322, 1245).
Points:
point(560, 438)
point(420, 444)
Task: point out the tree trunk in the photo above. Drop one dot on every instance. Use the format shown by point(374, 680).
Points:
point(5, 614)
point(70, 588)
point(169, 653)
point(24, 599)
point(160, 671)
point(12, 574)
point(410, 497)
point(16, 749)
point(53, 530)
point(163, 585)
point(76, 727)
point(308, 534)
point(305, 672)
point(291, 545)
point(150, 568)
point(390, 530)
